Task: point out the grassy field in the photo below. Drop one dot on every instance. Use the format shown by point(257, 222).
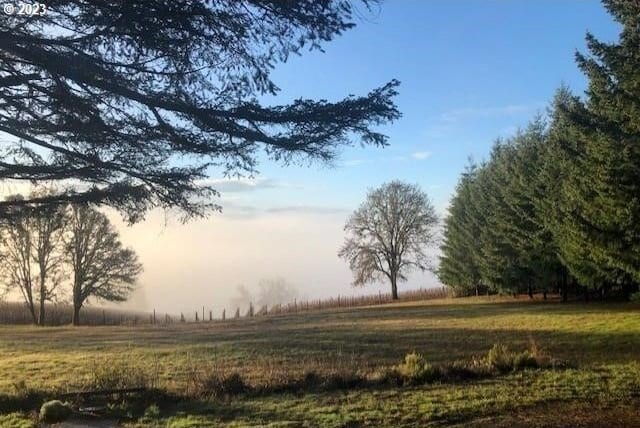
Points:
point(598, 386)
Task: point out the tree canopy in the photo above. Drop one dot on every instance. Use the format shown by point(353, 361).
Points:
point(561, 199)
point(389, 234)
point(131, 104)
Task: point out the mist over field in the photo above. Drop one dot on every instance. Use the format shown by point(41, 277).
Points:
point(204, 262)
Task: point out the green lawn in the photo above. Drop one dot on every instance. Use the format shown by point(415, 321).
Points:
point(601, 341)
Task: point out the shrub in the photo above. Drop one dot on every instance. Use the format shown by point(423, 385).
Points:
point(499, 358)
point(216, 383)
point(55, 411)
point(466, 370)
point(233, 384)
point(119, 375)
point(415, 369)
point(524, 360)
point(635, 297)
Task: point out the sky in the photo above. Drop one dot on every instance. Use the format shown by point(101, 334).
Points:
point(470, 71)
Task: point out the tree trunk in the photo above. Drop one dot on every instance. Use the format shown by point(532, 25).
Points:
point(544, 294)
point(394, 288)
point(586, 293)
point(530, 290)
point(32, 311)
point(76, 314)
point(565, 286)
point(41, 318)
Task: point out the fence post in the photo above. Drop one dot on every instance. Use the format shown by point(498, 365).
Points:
point(224, 314)
point(210, 315)
point(196, 316)
point(154, 316)
point(104, 318)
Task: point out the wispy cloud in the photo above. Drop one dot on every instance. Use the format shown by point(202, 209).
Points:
point(421, 155)
point(456, 115)
point(307, 209)
point(224, 185)
point(354, 162)
point(442, 125)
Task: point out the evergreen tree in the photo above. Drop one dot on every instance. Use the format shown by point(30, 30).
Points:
point(600, 139)
point(130, 103)
point(458, 267)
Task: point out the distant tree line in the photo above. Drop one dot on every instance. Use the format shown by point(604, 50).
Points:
point(557, 206)
point(53, 251)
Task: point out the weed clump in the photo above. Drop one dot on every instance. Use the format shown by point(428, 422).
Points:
point(217, 383)
point(119, 375)
point(413, 370)
point(55, 411)
point(503, 360)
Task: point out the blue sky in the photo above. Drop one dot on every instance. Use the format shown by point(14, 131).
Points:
point(471, 71)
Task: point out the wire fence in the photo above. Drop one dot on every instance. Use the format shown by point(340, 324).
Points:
point(61, 314)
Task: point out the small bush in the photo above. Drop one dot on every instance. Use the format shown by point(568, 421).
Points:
point(524, 360)
point(415, 369)
point(635, 297)
point(55, 411)
point(389, 376)
point(466, 370)
point(119, 375)
point(217, 383)
point(500, 358)
point(233, 384)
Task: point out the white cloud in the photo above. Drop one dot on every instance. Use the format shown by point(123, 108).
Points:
point(421, 155)
point(354, 162)
point(307, 209)
point(476, 112)
point(240, 185)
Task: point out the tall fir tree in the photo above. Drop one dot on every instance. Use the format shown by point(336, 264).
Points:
point(599, 237)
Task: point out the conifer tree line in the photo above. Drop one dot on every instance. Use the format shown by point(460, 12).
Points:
point(63, 253)
point(556, 207)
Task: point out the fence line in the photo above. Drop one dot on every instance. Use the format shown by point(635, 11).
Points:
point(61, 314)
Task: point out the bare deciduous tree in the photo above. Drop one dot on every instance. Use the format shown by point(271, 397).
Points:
point(32, 260)
point(388, 235)
point(102, 268)
point(274, 291)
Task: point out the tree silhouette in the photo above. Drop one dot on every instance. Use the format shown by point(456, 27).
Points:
point(139, 101)
point(389, 233)
point(31, 256)
point(102, 269)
